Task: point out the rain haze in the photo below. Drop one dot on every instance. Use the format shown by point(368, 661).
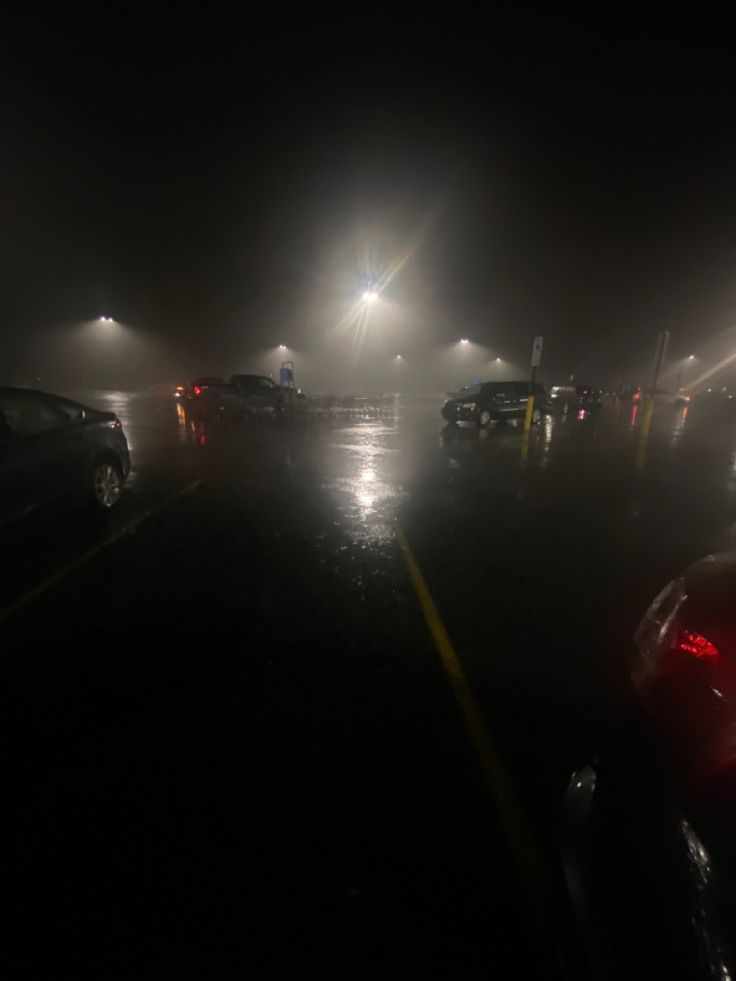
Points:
point(219, 207)
point(368, 497)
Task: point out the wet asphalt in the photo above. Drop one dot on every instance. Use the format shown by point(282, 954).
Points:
point(228, 742)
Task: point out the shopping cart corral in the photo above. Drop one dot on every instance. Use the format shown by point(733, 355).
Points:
point(357, 406)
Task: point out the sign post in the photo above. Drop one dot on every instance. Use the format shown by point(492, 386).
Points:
point(663, 340)
point(536, 361)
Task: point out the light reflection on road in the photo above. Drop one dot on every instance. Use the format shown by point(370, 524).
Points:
point(679, 426)
point(364, 479)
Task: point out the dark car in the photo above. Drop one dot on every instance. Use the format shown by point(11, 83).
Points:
point(649, 850)
point(204, 396)
point(489, 402)
point(200, 388)
point(684, 673)
point(574, 396)
point(54, 451)
point(259, 393)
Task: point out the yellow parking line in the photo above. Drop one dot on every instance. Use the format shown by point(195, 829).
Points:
point(509, 810)
point(90, 553)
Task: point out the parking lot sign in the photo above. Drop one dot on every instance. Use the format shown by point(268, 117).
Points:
point(537, 352)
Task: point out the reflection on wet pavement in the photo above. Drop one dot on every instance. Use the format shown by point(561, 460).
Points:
point(372, 468)
point(365, 482)
point(540, 567)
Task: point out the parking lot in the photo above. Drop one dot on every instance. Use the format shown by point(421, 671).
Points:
point(231, 729)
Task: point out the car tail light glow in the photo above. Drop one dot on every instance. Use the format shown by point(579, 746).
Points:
point(197, 390)
point(697, 645)
point(117, 424)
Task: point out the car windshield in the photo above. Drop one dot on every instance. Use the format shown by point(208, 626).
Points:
point(470, 391)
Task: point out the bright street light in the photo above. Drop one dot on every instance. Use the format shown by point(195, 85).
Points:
point(370, 297)
point(498, 359)
point(105, 320)
point(399, 358)
point(691, 357)
point(464, 340)
point(282, 347)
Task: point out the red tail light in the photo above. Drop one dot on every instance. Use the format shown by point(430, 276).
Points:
point(697, 645)
point(117, 424)
point(197, 390)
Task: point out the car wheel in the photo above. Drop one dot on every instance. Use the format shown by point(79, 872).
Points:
point(484, 418)
point(107, 484)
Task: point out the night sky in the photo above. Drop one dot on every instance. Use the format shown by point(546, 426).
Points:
point(221, 193)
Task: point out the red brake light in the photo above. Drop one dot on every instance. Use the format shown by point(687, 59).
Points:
point(697, 645)
point(197, 390)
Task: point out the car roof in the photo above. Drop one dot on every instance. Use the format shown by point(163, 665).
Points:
point(19, 390)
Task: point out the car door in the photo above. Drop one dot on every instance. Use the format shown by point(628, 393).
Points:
point(38, 444)
point(499, 397)
point(245, 388)
point(520, 397)
point(267, 393)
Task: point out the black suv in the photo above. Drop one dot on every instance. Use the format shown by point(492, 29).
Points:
point(494, 401)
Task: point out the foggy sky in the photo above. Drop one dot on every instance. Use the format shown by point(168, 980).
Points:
point(219, 198)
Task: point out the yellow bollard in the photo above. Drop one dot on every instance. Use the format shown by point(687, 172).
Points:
point(529, 414)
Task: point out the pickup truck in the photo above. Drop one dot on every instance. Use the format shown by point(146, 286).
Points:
point(242, 395)
point(256, 393)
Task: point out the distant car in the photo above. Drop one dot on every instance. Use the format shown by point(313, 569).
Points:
point(588, 396)
point(649, 850)
point(561, 395)
point(259, 393)
point(201, 387)
point(575, 396)
point(203, 395)
point(489, 402)
point(54, 451)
